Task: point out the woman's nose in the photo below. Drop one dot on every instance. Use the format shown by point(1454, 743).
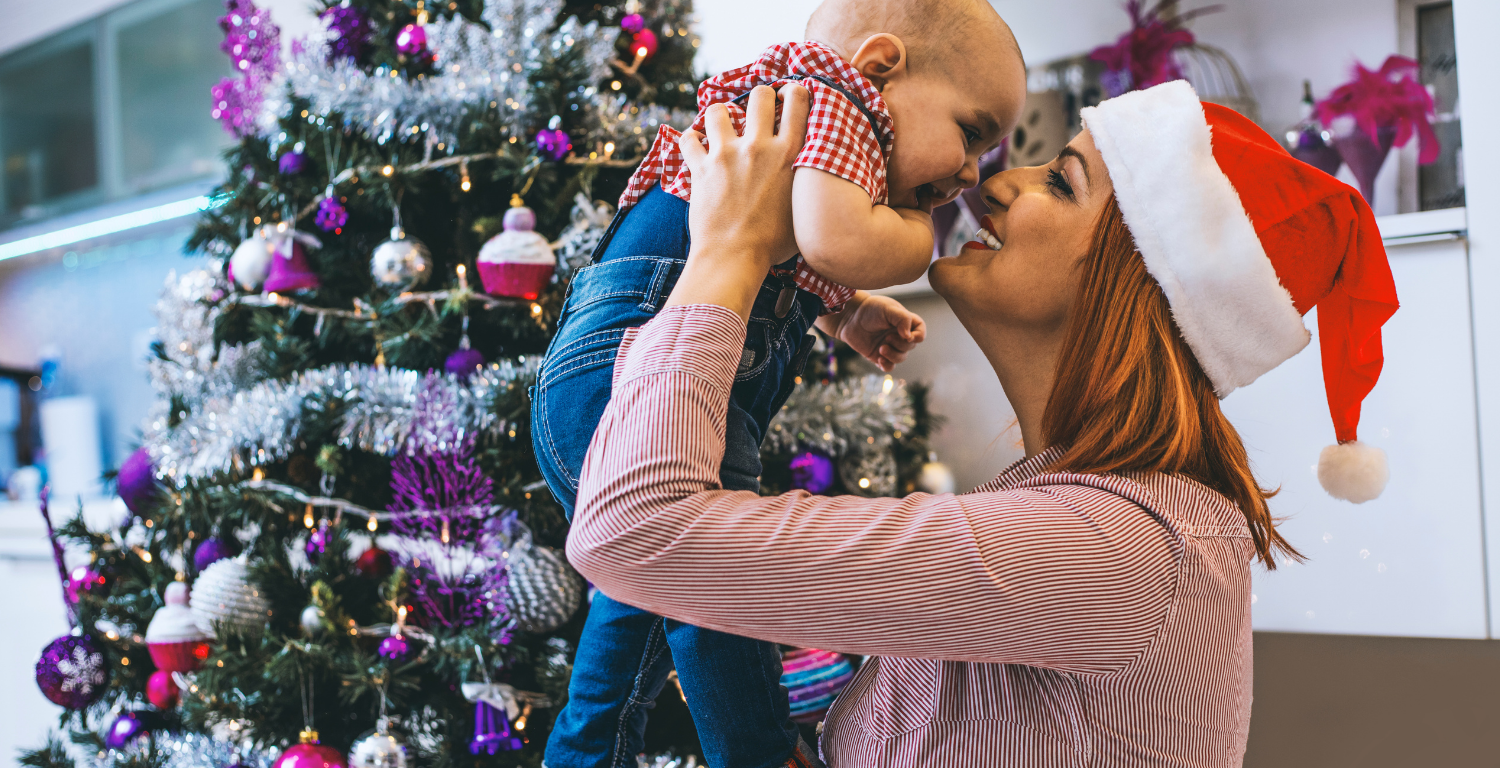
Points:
point(999, 190)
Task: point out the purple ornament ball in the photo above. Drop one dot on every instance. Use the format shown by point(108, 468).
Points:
point(633, 23)
point(812, 472)
point(331, 214)
point(292, 163)
point(212, 550)
point(72, 671)
point(136, 482)
point(125, 728)
point(463, 362)
point(411, 40)
point(317, 542)
point(553, 143)
point(395, 648)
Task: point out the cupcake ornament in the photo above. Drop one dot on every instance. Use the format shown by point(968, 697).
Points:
point(173, 638)
point(518, 262)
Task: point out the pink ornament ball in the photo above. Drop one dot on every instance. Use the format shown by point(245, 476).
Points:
point(644, 44)
point(411, 40)
point(311, 755)
point(633, 23)
point(161, 689)
point(290, 270)
point(519, 218)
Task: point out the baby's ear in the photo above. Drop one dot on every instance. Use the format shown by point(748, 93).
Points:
point(881, 58)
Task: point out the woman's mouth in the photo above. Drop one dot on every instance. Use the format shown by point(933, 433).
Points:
point(986, 238)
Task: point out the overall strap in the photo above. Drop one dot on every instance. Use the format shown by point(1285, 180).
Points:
point(834, 84)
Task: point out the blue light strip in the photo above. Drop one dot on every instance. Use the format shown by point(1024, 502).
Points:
point(102, 227)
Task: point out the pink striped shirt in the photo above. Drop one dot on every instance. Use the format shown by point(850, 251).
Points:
point(1044, 619)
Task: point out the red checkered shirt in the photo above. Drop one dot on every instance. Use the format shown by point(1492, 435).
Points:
point(840, 139)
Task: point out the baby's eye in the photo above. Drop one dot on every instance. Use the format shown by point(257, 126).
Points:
point(970, 135)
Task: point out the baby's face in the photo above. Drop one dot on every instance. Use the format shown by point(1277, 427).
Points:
point(946, 117)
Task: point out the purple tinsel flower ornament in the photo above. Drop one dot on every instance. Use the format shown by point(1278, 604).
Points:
point(254, 47)
point(332, 215)
point(349, 32)
point(395, 648)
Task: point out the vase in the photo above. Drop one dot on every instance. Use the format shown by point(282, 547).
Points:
point(1365, 157)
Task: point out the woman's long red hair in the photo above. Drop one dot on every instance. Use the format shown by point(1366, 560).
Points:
point(1130, 396)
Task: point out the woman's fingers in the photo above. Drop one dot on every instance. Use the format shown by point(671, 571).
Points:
point(694, 156)
point(719, 125)
point(795, 103)
point(760, 113)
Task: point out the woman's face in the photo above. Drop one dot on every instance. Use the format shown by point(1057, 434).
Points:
point(1018, 274)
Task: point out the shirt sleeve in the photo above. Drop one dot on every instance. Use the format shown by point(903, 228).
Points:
point(1067, 577)
point(841, 141)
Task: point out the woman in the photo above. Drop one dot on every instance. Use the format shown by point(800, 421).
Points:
point(1090, 606)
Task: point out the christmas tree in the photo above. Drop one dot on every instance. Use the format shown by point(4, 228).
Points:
point(339, 542)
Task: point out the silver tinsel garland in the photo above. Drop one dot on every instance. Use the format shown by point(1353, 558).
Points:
point(849, 416)
point(189, 368)
point(264, 423)
point(476, 69)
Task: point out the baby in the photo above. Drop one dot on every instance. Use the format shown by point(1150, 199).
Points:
point(905, 97)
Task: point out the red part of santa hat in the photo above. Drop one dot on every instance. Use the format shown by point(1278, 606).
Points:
point(1244, 239)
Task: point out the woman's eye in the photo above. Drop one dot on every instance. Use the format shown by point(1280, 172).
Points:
point(1059, 183)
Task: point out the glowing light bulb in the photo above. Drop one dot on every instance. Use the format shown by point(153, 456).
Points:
point(387, 171)
point(307, 516)
point(373, 524)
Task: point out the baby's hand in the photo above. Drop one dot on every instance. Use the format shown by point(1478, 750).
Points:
point(878, 328)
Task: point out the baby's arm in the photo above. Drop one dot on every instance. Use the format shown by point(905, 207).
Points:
point(852, 241)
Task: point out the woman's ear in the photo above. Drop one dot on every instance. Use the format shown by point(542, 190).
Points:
point(881, 58)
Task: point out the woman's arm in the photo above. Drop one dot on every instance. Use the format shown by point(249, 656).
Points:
point(1066, 577)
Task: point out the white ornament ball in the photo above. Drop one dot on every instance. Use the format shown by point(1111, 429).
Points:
point(223, 597)
point(251, 261)
point(312, 620)
point(378, 749)
point(936, 478)
point(400, 262)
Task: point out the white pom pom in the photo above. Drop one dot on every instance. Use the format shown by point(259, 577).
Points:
point(1353, 471)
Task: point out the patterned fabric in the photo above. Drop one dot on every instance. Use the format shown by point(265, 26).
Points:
point(840, 139)
point(1045, 619)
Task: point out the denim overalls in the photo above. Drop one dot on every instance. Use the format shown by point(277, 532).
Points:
point(732, 683)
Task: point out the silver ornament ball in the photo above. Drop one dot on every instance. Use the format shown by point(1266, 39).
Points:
point(542, 590)
point(400, 262)
point(378, 749)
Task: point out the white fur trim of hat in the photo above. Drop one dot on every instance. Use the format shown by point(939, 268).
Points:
point(1194, 235)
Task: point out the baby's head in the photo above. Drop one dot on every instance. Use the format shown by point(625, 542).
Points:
point(949, 70)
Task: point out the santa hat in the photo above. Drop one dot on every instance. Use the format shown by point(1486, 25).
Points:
point(1244, 240)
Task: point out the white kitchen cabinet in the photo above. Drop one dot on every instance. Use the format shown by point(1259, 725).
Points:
point(1411, 562)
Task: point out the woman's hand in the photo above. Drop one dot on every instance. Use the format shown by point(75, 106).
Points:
point(741, 214)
